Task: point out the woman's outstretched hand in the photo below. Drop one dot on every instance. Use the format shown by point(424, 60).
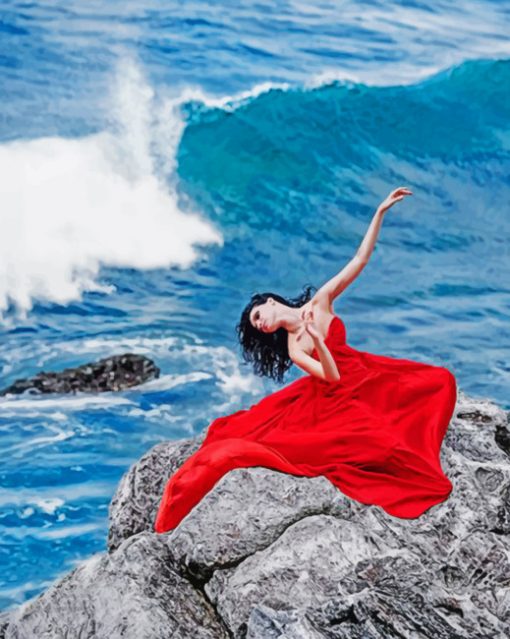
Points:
point(394, 196)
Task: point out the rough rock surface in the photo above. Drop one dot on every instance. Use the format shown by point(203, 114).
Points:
point(268, 555)
point(109, 374)
point(133, 593)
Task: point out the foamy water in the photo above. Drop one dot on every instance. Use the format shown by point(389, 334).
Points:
point(72, 205)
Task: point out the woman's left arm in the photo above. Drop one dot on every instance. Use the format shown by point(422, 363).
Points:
point(326, 369)
point(367, 245)
point(339, 282)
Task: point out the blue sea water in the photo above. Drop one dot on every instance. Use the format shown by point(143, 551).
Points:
point(161, 162)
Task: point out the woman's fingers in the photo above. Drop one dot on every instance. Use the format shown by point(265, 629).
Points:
point(398, 194)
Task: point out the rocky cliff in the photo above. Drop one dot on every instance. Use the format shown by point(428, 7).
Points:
point(268, 555)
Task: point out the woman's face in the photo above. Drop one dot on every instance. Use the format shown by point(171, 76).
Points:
point(263, 316)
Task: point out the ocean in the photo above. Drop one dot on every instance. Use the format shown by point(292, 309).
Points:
point(162, 162)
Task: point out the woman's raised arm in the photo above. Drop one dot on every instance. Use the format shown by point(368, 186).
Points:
point(339, 282)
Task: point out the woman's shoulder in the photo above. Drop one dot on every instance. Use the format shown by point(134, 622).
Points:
point(322, 301)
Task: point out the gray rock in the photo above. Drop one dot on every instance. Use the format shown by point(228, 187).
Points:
point(132, 593)
point(109, 374)
point(136, 500)
point(271, 502)
point(5, 618)
point(268, 555)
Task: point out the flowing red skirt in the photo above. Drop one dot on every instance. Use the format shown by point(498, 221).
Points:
point(376, 434)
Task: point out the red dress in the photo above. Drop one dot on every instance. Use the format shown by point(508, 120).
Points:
point(376, 434)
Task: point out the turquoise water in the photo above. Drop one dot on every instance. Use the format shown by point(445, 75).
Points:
point(161, 165)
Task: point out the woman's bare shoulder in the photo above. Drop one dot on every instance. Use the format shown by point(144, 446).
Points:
point(322, 301)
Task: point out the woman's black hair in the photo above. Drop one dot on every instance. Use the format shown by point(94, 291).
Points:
point(268, 351)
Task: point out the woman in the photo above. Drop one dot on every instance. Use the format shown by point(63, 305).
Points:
point(373, 425)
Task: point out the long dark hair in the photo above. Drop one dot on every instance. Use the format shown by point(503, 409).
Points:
point(268, 351)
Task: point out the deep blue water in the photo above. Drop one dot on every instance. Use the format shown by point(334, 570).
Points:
point(159, 165)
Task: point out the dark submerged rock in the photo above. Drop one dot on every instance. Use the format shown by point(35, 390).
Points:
point(266, 555)
point(114, 373)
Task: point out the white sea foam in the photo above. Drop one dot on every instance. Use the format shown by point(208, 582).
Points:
point(11, 405)
point(67, 531)
point(166, 382)
point(49, 506)
point(35, 443)
point(68, 494)
point(71, 205)
point(153, 346)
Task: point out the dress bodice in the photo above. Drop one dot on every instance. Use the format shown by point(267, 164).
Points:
point(335, 335)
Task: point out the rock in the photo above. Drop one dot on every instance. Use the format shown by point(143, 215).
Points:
point(268, 555)
point(109, 374)
point(132, 593)
point(136, 500)
point(4, 622)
